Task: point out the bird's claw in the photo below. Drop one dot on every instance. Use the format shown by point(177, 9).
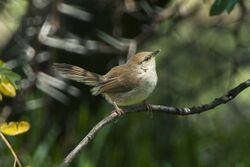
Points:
point(119, 112)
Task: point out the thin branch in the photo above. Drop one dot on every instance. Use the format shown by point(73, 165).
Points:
point(88, 138)
point(11, 149)
point(15, 162)
point(231, 94)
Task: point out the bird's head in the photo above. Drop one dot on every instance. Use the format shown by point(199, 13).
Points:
point(144, 59)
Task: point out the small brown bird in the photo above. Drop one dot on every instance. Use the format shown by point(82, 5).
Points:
point(123, 85)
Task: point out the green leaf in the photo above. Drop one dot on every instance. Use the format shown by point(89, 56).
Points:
point(9, 74)
point(6, 73)
point(220, 6)
point(231, 5)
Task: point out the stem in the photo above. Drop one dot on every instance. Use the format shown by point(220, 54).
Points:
point(14, 165)
point(11, 149)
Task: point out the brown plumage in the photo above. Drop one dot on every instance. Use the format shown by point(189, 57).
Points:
point(125, 84)
point(111, 82)
point(78, 74)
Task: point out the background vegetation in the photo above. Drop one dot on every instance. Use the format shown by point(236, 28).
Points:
point(205, 51)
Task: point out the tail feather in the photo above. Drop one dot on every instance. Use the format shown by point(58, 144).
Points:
point(77, 74)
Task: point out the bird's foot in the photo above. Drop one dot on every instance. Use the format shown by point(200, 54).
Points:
point(119, 111)
point(149, 107)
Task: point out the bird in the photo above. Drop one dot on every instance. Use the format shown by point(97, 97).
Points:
point(124, 85)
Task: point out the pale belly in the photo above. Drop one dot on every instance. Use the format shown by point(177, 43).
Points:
point(136, 95)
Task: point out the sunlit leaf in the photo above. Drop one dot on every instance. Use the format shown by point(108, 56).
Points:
point(7, 89)
point(14, 128)
point(1, 97)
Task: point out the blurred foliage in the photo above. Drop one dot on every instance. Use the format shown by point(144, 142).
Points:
point(202, 57)
point(11, 12)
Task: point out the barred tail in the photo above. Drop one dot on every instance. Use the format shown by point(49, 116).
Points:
point(77, 74)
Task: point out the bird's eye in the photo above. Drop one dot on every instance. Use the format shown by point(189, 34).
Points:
point(147, 58)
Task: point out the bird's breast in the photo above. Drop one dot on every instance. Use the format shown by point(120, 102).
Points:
point(148, 80)
point(147, 83)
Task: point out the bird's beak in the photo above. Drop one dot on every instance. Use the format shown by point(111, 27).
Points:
point(156, 52)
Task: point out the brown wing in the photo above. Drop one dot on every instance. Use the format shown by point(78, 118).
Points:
point(118, 80)
point(116, 71)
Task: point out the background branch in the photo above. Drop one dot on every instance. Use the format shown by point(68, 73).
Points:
point(231, 94)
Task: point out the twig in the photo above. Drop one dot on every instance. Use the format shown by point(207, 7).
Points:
point(88, 138)
point(231, 94)
point(11, 149)
point(14, 165)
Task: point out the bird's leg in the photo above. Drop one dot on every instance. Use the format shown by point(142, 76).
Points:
point(117, 109)
point(149, 108)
